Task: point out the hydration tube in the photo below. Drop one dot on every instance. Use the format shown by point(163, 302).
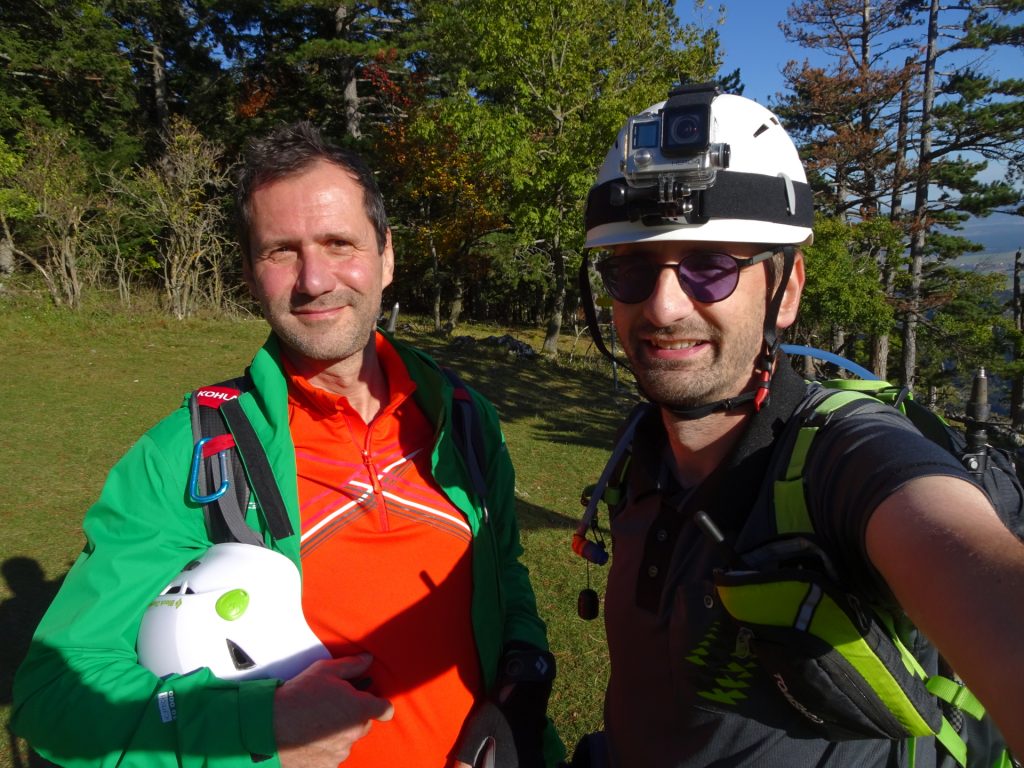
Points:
point(830, 357)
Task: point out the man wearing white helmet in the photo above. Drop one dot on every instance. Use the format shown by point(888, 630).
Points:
point(699, 211)
point(410, 570)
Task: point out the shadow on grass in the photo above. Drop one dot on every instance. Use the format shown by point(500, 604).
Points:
point(531, 517)
point(31, 594)
point(572, 406)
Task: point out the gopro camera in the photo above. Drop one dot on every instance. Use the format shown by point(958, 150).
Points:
point(673, 150)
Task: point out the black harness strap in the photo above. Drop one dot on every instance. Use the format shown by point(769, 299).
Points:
point(590, 312)
point(734, 195)
point(225, 515)
point(217, 416)
point(468, 435)
point(261, 475)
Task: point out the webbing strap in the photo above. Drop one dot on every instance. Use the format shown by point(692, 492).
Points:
point(1005, 761)
point(207, 422)
point(258, 470)
point(791, 515)
point(468, 436)
point(231, 510)
point(953, 742)
point(957, 694)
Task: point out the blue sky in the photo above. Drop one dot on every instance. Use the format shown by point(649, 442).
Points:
point(753, 42)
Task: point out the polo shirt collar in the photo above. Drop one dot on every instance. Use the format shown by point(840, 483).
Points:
point(327, 404)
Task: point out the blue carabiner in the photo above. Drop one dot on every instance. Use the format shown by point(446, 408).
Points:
point(193, 475)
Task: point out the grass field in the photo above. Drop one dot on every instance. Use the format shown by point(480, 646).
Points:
point(77, 390)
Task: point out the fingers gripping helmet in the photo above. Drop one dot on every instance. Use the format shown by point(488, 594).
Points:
point(236, 609)
point(701, 166)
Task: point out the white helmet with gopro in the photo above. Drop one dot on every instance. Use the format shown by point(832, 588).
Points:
point(236, 609)
point(708, 167)
point(701, 166)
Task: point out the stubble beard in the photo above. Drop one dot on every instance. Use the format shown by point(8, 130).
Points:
point(725, 372)
point(334, 341)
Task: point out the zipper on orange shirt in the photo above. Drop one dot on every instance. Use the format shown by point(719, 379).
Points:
point(378, 492)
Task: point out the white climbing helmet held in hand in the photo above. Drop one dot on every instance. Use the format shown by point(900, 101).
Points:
point(236, 609)
point(701, 166)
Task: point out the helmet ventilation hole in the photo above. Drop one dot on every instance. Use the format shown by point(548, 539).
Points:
point(239, 658)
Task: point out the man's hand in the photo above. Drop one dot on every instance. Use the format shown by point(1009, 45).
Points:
point(319, 715)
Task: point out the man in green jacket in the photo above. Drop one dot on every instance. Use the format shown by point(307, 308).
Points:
point(410, 579)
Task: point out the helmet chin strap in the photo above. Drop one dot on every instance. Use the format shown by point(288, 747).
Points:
point(765, 365)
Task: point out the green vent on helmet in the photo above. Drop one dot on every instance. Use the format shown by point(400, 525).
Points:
point(231, 605)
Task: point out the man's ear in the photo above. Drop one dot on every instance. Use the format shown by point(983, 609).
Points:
point(388, 261)
point(794, 288)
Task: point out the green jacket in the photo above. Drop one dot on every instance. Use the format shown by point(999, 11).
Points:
point(81, 698)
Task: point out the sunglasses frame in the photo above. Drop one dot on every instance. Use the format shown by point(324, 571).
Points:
point(742, 262)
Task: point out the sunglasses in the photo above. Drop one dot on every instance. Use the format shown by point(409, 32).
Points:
point(704, 276)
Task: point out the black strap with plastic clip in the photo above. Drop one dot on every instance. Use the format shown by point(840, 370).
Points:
point(225, 426)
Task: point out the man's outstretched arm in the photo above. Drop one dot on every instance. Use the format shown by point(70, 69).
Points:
point(958, 572)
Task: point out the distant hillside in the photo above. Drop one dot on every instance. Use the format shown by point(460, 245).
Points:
point(1001, 263)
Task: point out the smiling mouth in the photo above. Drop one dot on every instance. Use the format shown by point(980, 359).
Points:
point(673, 345)
point(315, 311)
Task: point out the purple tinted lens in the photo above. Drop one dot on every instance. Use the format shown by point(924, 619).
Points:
point(709, 277)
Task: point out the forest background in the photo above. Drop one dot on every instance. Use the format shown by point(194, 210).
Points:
point(485, 120)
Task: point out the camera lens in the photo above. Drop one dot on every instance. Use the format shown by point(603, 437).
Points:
point(685, 130)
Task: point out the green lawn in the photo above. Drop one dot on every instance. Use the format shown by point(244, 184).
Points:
point(76, 391)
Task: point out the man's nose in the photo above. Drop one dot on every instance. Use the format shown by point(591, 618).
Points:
point(315, 272)
point(668, 302)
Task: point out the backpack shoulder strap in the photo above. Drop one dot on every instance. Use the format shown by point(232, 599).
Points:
point(467, 432)
point(790, 504)
point(219, 425)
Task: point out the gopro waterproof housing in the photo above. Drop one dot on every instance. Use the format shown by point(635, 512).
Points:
point(672, 150)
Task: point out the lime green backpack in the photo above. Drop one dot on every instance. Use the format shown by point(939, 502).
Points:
point(847, 666)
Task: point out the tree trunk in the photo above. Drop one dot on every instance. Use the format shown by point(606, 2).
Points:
point(350, 95)
point(869, 207)
point(550, 346)
point(458, 293)
point(353, 116)
point(919, 231)
point(808, 367)
point(880, 355)
point(158, 76)
point(880, 345)
point(437, 288)
point(1017, 386)
point(6, 257)
point(69, 271)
